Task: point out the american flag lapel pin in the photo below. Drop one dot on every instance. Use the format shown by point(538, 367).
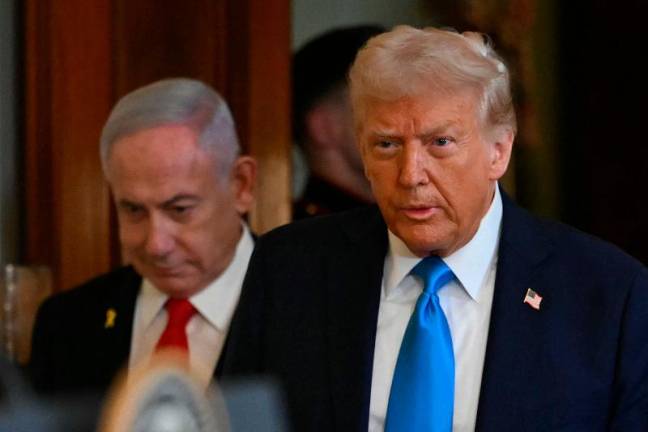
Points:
point(533, 299)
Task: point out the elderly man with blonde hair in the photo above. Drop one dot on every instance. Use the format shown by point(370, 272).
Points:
point(446, 307)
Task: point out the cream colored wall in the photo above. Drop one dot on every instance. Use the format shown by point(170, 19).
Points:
point(311, 17)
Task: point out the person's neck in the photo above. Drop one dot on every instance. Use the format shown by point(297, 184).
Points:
point(335, 170)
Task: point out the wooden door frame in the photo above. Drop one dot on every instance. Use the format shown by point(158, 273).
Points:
point(70, 85)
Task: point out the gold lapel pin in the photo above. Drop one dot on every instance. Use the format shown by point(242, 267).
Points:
point(111, 314)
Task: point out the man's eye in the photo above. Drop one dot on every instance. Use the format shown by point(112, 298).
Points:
point(132, 209)
point(180, 209)
point(443, 141)
point(385, 144)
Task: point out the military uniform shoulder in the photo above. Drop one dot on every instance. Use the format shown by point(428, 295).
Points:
point(322, 198)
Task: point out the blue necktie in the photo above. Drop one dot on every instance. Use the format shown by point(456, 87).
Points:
point(422, 391)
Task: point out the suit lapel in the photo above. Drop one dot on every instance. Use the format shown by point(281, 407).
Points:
point(353, 299)
point(513, 368)
point(116, 321)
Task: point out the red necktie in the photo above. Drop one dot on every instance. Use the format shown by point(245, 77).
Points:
point(179, 312)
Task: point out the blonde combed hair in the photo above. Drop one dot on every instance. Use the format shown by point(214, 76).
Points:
point(407, 62)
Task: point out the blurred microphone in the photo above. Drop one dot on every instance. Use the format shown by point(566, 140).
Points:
point(163, 396)
point(167, 396)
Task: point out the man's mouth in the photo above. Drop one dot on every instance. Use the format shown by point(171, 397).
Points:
point(420, 213)
point(168, 271)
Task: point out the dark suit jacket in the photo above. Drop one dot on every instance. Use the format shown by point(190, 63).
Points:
point(309, 307)
point(74, 348)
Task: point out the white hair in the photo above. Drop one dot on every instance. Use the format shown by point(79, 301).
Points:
point(180, 101)
point(407, 62)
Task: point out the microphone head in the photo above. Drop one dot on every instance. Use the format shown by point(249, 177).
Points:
point(164, 396)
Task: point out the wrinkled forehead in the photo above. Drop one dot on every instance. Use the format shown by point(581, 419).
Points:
point(436, 101)
point(161, 150)
point(162, 145)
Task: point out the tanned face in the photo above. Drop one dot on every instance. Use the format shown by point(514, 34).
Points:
point(433, 167)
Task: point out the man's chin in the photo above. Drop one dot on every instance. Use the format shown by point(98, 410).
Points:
point(176, 289)
point(174, 285)
point(422, 242)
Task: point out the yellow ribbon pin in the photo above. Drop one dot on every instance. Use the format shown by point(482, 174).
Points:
point(111, 314)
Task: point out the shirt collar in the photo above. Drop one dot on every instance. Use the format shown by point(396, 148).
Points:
point(217, 301)
point(470, 263)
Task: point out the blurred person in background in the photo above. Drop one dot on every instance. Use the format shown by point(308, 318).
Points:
point(323, 122)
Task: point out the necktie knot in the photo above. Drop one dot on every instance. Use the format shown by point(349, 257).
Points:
point(180, 310)
point(434, 273)
point(179, 313)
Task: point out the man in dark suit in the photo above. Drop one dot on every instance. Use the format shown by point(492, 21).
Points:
point(170, 154)
point(447, 307)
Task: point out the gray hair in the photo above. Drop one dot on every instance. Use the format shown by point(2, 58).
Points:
point(180, 101)
point(406, 62)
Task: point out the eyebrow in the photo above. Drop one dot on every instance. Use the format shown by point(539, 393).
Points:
point(168, 203)
point(180, 197)
point(438, 130)
point(127, 203)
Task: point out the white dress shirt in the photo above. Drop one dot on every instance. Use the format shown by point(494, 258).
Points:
point(207, 329)
point(466, 302)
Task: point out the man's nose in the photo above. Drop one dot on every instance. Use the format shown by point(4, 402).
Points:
point(412, 170)
point(159, 237)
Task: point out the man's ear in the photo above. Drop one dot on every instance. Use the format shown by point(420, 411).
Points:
point(323, 127)
point(243, 183)
point(501, 146)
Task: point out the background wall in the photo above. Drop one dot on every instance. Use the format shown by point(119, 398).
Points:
point(604, 145)
point(8, 133)
point(311, 17)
